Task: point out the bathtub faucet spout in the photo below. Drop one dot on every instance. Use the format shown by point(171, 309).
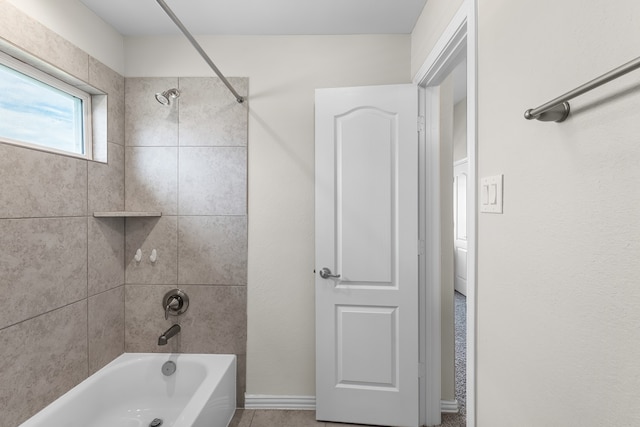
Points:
point(174, 330)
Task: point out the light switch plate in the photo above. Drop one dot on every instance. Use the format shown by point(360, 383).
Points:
point(491, 194)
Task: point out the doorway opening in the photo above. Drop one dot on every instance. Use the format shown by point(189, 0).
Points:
point(460, 239)
point(449, 150)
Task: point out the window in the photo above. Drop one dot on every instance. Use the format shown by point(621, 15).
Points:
point(39, 111)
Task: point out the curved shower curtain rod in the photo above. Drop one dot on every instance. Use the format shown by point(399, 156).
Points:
point(201, 51)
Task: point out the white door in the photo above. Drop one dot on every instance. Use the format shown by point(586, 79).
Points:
point(460, 172)
point(367, 236)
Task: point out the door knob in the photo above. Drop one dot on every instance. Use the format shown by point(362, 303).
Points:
point(325, 273)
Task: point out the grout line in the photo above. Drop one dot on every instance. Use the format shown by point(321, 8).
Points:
point(90, 215)
point(211, 215)
point(87, 287)
point(124, 294)
point(105, 291)
point(178, 192)
point(88, 224)
point(44, 312)
point(124, 207)
point(86, 205)
point(46, 217)
point(124, 319)
point(253, 414)
point(188, 284)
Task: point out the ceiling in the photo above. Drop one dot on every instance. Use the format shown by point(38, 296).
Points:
point(261, 17)
point(268, 17)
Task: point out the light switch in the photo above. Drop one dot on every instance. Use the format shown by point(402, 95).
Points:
point(491, 190)
point(485, 195)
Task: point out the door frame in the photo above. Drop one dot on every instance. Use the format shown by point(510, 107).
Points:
point(459, 38)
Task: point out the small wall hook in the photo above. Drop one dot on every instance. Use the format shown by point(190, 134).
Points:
point(138, 256)
point(154, 256)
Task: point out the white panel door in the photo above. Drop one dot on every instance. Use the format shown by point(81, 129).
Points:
point(367, 234)
point(460, 172)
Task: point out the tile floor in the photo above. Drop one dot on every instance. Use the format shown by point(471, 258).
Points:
point(276, 418)
point(284, 418)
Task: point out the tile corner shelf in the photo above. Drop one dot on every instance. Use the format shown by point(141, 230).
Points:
point(126, 214)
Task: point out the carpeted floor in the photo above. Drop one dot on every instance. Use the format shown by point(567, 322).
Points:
point(459, 419)
point(461, 350)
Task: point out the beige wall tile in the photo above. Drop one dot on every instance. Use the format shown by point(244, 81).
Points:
point(106, 327)
point(148, 123)
point(216, 321)
point(19, 29)
point(151, 176)
point(42, 358)
point(112, 83)
point(144, 319)
point(210, 114)
point(106, 254)
point(212, 181)
point(37, 184)
point(106, 182)
point(64, 55)
point(148, 234)
point(212, 250)
point(34, 38)
point(43, 265)
point(241, 379)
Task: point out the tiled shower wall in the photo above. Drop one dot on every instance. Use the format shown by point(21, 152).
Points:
point(189, 161)
point(61, 270)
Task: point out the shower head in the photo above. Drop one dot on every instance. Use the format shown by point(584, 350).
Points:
point(165, 97)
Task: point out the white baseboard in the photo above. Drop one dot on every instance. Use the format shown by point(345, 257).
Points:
point(265, 401)
point(449, 406)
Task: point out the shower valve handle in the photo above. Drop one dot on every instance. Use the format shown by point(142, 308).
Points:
point(325, 273)
point(173, 304)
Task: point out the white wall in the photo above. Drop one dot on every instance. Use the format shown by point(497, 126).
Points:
point(558, 292)
point(432, 22)
point(75, 22)
point(283, 73)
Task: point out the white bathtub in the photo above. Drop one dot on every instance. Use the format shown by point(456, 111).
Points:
point(132, 391)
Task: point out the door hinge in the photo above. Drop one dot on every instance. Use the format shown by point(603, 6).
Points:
point(420, 123)
point(422, 247)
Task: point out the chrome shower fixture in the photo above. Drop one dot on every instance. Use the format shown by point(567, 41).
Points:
point(165, 97)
